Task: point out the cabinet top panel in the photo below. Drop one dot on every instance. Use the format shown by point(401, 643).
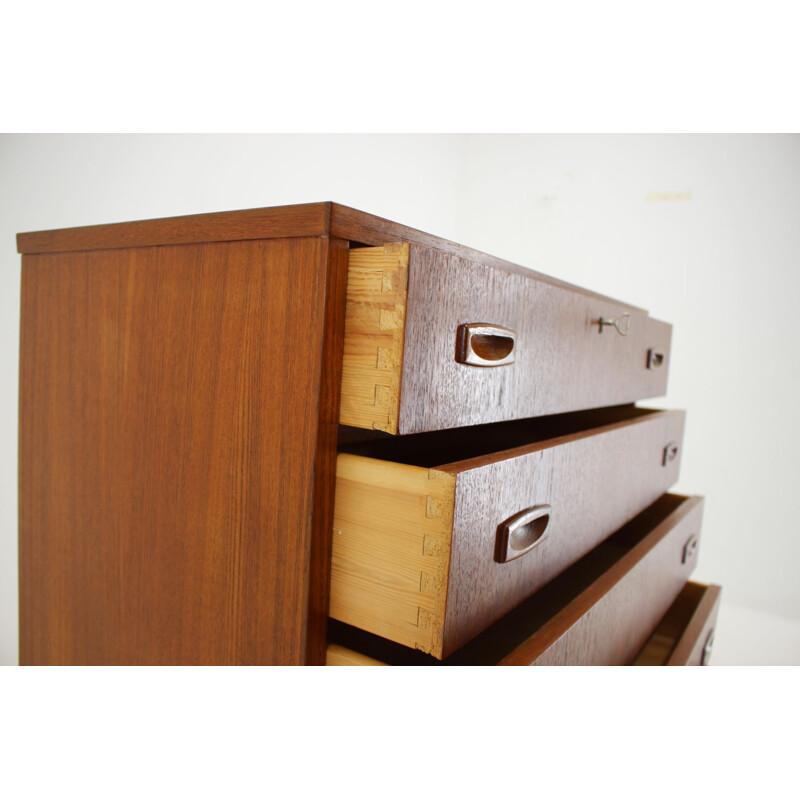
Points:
point(308, 219)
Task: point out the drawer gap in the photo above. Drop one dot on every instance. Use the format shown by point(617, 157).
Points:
point(438, 448)
point(660, 648)
point(501, 638)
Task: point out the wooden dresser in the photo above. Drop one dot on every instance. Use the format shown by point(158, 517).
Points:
point(308, 435)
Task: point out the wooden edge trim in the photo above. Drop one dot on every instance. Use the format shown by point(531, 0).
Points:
point(308, 219)
point(546, 444)
point(688, 640)
point(338, 656)
point(390, 562)
point(556, 627)
point(374, 337)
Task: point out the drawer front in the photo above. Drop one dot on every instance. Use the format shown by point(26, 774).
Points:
point(562, 361)
point(599, 611)
point(417, 552)
point(685, 635)
point(609, 622)
point(435, 341)
point(593, 486)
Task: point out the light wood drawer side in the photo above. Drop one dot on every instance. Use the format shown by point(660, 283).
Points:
point(377, 286)
point(391, 549)
point(338, 656)
point(686, 630)
point(414, 548)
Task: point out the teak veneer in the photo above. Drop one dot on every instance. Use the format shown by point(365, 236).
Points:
point(600, 611)
point(195, 391)
point(406, 305)
point(412, 365)
point(168, 445)
point(279, 222)
point(414, 554)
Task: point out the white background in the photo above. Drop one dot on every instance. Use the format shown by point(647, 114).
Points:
point(702, 230)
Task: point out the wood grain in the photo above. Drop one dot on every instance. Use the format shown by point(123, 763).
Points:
point(391, 549)
point(595, 483)
point(688, 650)
point(562, 361)
point(595, 479)
point(329, 343)
point(310, 219)
point(358, 226)
point(609, 622)
point(338, 656)
point(163, 394)
point(598, 611)
point(377, 286)
point(681, 635)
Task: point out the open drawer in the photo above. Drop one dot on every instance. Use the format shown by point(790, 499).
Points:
point(685, 636)
point(436, 341)
point(601, 611)
point(437, 536)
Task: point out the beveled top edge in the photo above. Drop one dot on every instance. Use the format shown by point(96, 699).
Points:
point(307, 219)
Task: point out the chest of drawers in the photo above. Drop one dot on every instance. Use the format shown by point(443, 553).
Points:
point(235, 425)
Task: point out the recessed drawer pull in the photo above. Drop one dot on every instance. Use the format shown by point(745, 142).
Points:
point(654, 359)
point(670, 453)
point(437, 536)
point(622, 324)
point(521, 533)
point(485, 345)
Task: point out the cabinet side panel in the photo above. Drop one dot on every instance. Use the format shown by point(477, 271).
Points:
point(169, 428)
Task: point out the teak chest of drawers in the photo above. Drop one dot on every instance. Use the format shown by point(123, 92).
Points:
point(235, 425)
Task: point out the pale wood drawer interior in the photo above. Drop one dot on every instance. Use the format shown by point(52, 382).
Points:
point(410, 360)
point(685, 635)
point(417, 531)
point(585, 616)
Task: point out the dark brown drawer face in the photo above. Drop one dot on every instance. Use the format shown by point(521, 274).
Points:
point(685, 635)
point(435, 341)
point(431, 547)
point(562, 360)
point(599, 612)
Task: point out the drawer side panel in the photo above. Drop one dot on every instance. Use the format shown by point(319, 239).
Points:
point(391, 550)
point(377, 279)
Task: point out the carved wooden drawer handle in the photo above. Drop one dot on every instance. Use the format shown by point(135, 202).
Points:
point(521, 533)
point(482, 344)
